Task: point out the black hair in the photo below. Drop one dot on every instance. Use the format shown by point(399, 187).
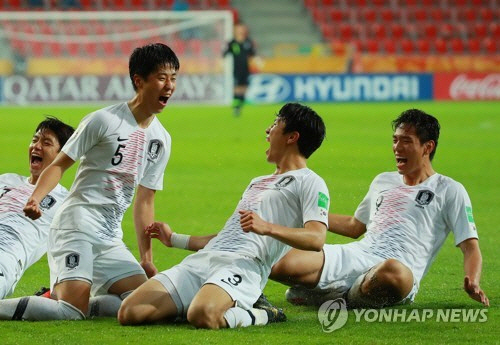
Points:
point(426, 126)
point(62, 131)
point(149, 58)
point(307, 123)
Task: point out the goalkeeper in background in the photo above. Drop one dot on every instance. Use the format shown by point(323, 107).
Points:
point(241, 48)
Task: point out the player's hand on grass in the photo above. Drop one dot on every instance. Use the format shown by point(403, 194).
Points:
point(251, 222)
point(32, 210)
point(475, 292)
point(160, 231)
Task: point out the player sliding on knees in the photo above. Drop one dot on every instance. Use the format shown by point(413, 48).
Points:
point(405, 217)
point(218, 286)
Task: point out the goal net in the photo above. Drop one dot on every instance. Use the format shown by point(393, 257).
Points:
point(76, 57)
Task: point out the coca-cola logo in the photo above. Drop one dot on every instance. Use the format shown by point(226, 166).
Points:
point(486, 87)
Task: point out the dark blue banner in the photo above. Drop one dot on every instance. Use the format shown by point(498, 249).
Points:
point(275, 88)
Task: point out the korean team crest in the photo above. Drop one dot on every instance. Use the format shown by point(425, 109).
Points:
point(285, 181)
point(47, 202)
point(154, 149)
point(424, 197)
point(72, 260)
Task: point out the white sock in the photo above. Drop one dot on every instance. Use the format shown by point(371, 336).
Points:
point(238, 317)
point(105, 306)
point(35, 308)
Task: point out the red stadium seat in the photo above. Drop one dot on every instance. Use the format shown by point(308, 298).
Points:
point(486, 14)
point(337, 15)
point(371, 46)
point(389, 46)
point(90, 49)
point(388, 15)
point(440, 14)
point(473, 45)
point(457, 45)
point(55, 48)
point(479, 30)
point(407, 46)
point(430, 30)
point(346, 32)
point(419, 14)
point(423, 46)
point(494, 29)
point(328, 2)
point(397, 30)
point(369, 15)
point(72, 48)
point(490, 45)
point(440, 46)
point(377, 30)
point(467, 14)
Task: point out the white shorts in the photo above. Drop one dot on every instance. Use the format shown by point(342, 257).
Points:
point(75, 255)
point(344, 263)
point(12, 256)
point(241, 277)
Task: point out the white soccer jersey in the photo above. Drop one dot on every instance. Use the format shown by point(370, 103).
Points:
point(289, 199)
point(410, 223)
point(15, 226)
point(115, 156)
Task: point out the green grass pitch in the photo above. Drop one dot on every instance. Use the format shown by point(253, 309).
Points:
point(214, 156)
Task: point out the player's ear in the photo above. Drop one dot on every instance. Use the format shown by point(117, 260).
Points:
point(137, 81)
point(293, 137)
point(429, 147)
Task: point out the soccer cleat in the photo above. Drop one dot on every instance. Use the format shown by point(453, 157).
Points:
point(43, 292)
point(302, 296)
point(274, 314)
point(262, 302)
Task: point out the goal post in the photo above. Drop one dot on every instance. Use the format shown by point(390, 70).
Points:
point(78, 56)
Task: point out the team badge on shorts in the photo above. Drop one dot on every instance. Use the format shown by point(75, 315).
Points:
point(154, 149)
point(47, 202)
point(424, 197)
point(72, 260)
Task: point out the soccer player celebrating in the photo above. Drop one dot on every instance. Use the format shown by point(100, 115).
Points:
point(406, 217)
point(22, 240)
point(218, 286)
point(121, 147)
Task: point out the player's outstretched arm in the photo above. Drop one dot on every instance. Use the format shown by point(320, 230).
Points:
point(164, 233)
point(347, 226)
point(472, 268)
point(47, 181)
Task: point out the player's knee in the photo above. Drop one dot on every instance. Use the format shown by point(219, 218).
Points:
point(128, 315)
point(205, 316)
point(395, 276)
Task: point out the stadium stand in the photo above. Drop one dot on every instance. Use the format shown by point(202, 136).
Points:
point(374, 26)
point(415, 26)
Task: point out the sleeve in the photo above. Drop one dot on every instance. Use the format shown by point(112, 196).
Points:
point(363, 211)
point(87, 135)
point(458, 213)
point(315, 200)
point(155, 170)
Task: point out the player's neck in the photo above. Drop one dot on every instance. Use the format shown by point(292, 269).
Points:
point(290, 163)
point(417, 178)
point(142, 120)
